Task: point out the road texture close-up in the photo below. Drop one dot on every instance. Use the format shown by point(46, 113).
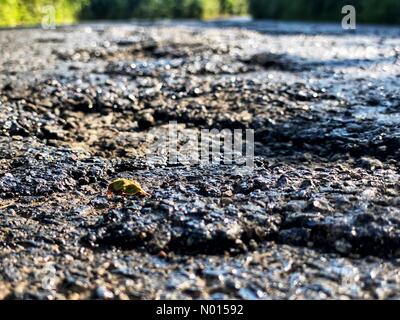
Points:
point(318, 217)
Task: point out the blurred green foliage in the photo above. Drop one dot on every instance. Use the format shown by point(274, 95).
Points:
point(16, 12)
point(109, 10)
point(174, 9)
point(30, 12)
point(371, 11)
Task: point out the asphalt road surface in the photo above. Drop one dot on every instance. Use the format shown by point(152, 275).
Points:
point(318, 217)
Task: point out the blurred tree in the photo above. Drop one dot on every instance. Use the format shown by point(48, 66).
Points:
point(210, 9)
point(14, 12)
point(372, 11)
point(233, 7)
point(9, 14)
point(378, 11)
point(108, 10)
point(198, 9)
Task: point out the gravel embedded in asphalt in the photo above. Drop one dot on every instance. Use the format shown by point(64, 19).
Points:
point(317, 218)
